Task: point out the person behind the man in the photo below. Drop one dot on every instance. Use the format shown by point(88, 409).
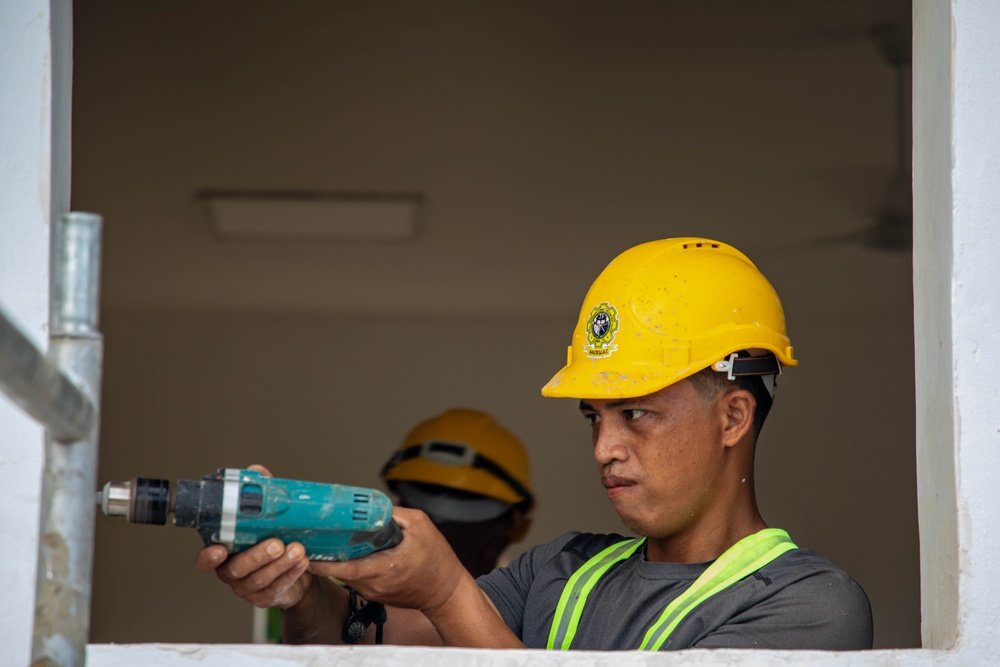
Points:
point(673, 360)
point(471, 476)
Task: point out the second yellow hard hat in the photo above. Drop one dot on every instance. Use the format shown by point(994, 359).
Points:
point(465, 450)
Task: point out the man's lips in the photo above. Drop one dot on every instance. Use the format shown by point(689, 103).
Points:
point(616, 485)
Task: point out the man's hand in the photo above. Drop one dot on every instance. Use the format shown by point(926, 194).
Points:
point(268, 574)
point(423, 573)
point(419, 573)
point(272, 574)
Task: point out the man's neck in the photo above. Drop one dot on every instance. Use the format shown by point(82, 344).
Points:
point(706, 541)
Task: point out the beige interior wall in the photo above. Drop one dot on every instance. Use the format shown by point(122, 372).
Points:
point(544, 141)
point(324, 397)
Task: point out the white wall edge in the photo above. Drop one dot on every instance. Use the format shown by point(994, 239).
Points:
point(34, 189)
point(255, 655)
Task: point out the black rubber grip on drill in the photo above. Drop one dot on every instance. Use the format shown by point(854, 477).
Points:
point(198, 505)
point(150, 501)
point(386, 537)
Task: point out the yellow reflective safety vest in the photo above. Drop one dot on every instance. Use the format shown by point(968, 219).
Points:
point(738, 562)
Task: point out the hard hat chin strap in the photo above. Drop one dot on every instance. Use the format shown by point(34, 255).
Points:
point(768, 381)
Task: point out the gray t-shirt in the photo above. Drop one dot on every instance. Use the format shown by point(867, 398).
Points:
point(798, 601)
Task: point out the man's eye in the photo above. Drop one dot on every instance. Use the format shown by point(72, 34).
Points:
point(634, 414)
point(593, 417)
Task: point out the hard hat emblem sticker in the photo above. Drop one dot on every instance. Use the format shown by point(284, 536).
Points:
point(602, 325)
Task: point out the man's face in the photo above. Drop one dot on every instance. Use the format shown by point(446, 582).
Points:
point(660, 457)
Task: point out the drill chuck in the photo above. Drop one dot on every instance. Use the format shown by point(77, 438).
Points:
point(239, 508)
point(140, 500)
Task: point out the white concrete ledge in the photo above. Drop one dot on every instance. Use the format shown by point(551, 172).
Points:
point(257, 655)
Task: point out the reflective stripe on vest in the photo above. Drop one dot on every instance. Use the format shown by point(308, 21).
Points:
point(575, 593)
point(738, 562)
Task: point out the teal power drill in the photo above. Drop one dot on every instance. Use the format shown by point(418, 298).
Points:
point(239, 508)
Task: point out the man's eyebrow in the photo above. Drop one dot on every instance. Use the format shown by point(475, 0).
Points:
point(611, 404)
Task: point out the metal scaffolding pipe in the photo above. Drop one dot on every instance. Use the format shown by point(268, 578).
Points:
point(40, 388)
point(66, 539)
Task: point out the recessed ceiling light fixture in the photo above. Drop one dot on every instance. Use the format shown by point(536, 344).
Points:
point(335, 216)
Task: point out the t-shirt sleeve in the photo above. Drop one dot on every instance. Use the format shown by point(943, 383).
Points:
point(508, 586)
point(823, 609)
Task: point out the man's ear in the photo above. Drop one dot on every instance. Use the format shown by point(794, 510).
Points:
point(738, 406)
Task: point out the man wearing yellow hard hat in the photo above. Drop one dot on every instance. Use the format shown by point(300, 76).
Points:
point(470, 475)
point(673, 360)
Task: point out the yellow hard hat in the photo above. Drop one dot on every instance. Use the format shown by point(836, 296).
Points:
point(465, 450)
point(663, 311)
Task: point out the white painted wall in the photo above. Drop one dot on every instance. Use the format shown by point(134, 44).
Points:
point(932, 280)
point(34, 188)
point(975, 318)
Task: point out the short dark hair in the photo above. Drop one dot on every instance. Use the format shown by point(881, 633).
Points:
point(709, 382)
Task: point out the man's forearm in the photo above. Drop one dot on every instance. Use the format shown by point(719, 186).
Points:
point(469, 619)
point(431, 597)
point(318, 618)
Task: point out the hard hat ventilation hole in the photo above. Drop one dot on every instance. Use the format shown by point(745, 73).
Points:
point(688, 246)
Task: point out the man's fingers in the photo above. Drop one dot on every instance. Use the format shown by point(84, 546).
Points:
point(284, 591)
point(367, 575)
point(245, 563)
point(261, 469)
point(343, 570)
point(351, 571)
point(266, 575)
point(374, 569)
point(405, 516)
point(210, 558)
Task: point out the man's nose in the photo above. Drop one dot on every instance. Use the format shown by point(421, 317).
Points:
point(609, 444)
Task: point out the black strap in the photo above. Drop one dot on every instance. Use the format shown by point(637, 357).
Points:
point(766, 365)
point(478, 461)
point(359, 617)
